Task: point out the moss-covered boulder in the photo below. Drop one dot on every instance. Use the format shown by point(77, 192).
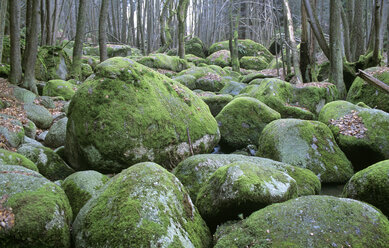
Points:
point(52, 63)
point(242, 188)
point(309, 221)
point(201, 71)
point(195, 46)
point(245, 48)
point(13, 158)
point(302, 101)
point(210, 82)
point(361, 91)
point(306, 144)
point(49, 163)
point(246, 79)
point(216, 102)
point(194, 59)
point(12, 130)
point(233, 88)
point(86, 71)
point(187, 80)
point(242, 120)
point(81, 186)
point(39, 115)
point(34, 211)
point(194, 171)
point(163, 61)
point(57, 133)
point(253, 63)
point(134, 115)
point(113, 50)
point(143, 206)
point(61, 88)
point(362, 133)
point(371, 185)
point(221, 58)
point(5, 70)
point(23, 95)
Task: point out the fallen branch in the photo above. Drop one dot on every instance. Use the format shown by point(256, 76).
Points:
point(373, 81)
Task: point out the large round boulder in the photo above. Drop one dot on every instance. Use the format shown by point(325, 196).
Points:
point(143, 206)
point(361, 91)
point(240, 189)
point(13, 158)
point(371, 185)
point(362, 133)
point(57, 133)
point(34, 211)
point(81, 186)
point(242, 120)
point(195, 171)
point(309, 221)
point(306, 144)
point(135, 115)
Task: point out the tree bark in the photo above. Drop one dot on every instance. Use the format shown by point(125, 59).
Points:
point(28, 30)
point(357, 32)
point(49, 35)
point(43, 21)
point(103, 30)
point(377, 27)
point(336, 75)
point(304, 47)
point(233, 41)
point(140, 28)
point(15, 76)
point(31, 53)
point(316, 28)
point(292, 39)
point(346, 34)
point(79, 40)
point(3, 13)
point(182, 10)
point(124, 21)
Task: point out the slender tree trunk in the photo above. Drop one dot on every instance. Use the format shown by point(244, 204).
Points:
point(234, 33)
point(3, 13)
point(140, 28)
point(43, 21)
point(387, 44)
point(15, 76)
point(296, 65)
point(377, 27)
point(346, 33)
point(149, 25)
point(49, 35)
point(28, 30)
point(304, 47)
point(181, 16)
point(336, 75)
point(384, 18)
point(103, 30)
point(31, 53)
point(79, 40)
point(316, 28)
point(124, 21)
point(357, 32)
point(55, 23)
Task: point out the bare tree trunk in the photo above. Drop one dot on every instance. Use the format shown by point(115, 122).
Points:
point(304, 47)
point(31, 53)
point(346, 33)
point(149, 25)
point(384, 19)
point(124, 21)
point(55, 22)
point(28, 30)
point(43, 25)
point(336, 75)
point(15, 76)
point(49, 35)
point(131, 24)
point(140, 28)
point(79, 40)
point(316, 28)
point(3, 13)
point(296, 65)
point(357, 32)
point(103, 30)
point(234, 33)
point(377, 27)
point(181, 16)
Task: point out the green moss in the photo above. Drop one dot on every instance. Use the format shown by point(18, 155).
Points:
point(41, 209)
point(373, 146)
point(196, 170)
point(196, 47)
point(86, 70)
point(242, 188)
point(142, 206)
point(4, 70)
point(371, 185)
point(217, 102)
point(153, 112)
point(81, 186)
point(242, 120)
point(59, 88)
point(306, 144)
point(309, 221)
point(245, 48)
point(163, 61)
point(253, 63)
point(361, 91)
point(221, 58)
point(52, 63)
point(13, 158)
